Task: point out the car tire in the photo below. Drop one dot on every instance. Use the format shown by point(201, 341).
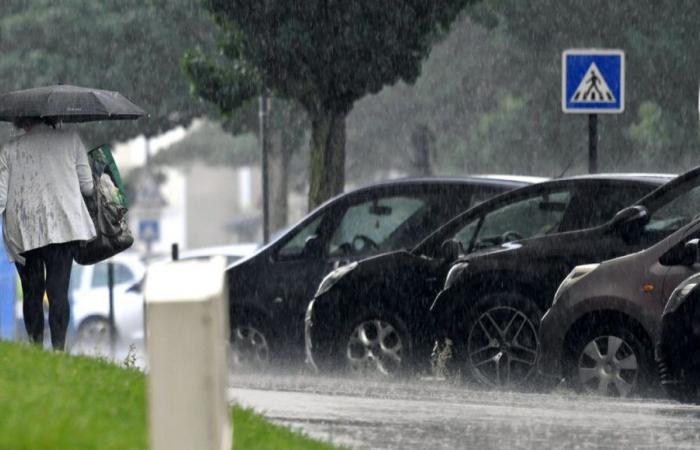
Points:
point(609, 360)
point(92, 337)
point(373, 344)
point(250, 347)
point(498, 344)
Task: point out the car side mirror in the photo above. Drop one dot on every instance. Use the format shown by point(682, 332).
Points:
point(690, 252)
point(450, 250)
point(313, 247)
point(629, 222)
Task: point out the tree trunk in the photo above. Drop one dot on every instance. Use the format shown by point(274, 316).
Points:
point(279, 176)
point(327, 159)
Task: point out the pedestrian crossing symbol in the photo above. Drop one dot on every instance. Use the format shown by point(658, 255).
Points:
point(593, 81)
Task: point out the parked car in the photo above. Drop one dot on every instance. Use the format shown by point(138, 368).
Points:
point(269, 291)
point(600, 331)
point(492, 303)
point(373, 315)
point(678, 347)
point(89, 296)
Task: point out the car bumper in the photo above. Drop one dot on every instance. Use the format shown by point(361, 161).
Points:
point(319, 334)
point(553, 328)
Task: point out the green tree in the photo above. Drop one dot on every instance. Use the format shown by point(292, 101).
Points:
point(234, 86)
point(328, 54)
point(658, 38)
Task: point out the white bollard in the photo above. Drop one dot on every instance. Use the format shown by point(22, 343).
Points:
point(187, 334)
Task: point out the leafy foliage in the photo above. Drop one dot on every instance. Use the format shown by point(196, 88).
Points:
point(491, 92)
point(326, 55)
point(132, 46)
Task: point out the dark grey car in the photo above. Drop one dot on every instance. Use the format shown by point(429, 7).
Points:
point(599, 331)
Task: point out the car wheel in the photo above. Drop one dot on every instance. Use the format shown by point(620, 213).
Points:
point(249, 347)
point(93, 337)
point(376, 346)
point(609, 361)
point(499, 343)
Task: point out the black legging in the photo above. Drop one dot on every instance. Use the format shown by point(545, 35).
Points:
point(55, 261)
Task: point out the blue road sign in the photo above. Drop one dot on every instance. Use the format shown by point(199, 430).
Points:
point(593, 81)
point(149, 230)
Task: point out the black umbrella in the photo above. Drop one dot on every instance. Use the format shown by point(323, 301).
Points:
point(65, 103)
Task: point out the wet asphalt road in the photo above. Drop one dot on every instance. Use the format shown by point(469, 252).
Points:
point(427, 414)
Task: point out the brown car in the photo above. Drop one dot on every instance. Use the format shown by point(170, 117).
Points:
point(599, 332)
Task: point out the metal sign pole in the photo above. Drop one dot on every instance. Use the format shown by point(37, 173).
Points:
point(592, 83)
point(112, 330)
point(592, 143)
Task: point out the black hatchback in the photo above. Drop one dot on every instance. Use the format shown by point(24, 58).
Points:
point(374, 315)
point(269, 291)
point(492, 303)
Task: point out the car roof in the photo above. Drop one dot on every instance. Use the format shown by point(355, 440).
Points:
point(638, 176)
point(495, 180)
point(525, 179)
point(513, 181)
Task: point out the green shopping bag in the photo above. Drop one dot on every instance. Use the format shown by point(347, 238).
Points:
point(109, 212)
point(102, 162)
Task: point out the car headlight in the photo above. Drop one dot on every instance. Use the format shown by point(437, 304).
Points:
point(333, 277)
point(576, 275)
point(677, 296)
point(454, 274)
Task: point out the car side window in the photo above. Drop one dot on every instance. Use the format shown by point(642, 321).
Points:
point(481, 195)
point(597, 205)
point(122, 274)
point(465, 235)
point(529, 217)
point(674, 214)
point(294, 248)
point(368, 227)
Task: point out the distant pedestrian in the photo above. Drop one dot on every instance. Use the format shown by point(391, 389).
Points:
point(44, 174)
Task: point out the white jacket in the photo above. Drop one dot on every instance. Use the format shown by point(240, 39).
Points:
point(43, 174)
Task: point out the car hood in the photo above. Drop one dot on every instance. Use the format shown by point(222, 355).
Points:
point(388, 265)
point(393, 268)
point(684, 291)
point(532, 248)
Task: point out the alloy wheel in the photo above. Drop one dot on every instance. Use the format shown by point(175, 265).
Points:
point(375, 347)
point(608, 366)
point(93, 338)
point(502, 347)
point(249, 348)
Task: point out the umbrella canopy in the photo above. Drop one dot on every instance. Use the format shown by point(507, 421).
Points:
point(67, 103)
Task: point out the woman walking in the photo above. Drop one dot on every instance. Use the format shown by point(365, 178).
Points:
point(44, 174)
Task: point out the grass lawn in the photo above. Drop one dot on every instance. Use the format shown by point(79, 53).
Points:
point(55, 401)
